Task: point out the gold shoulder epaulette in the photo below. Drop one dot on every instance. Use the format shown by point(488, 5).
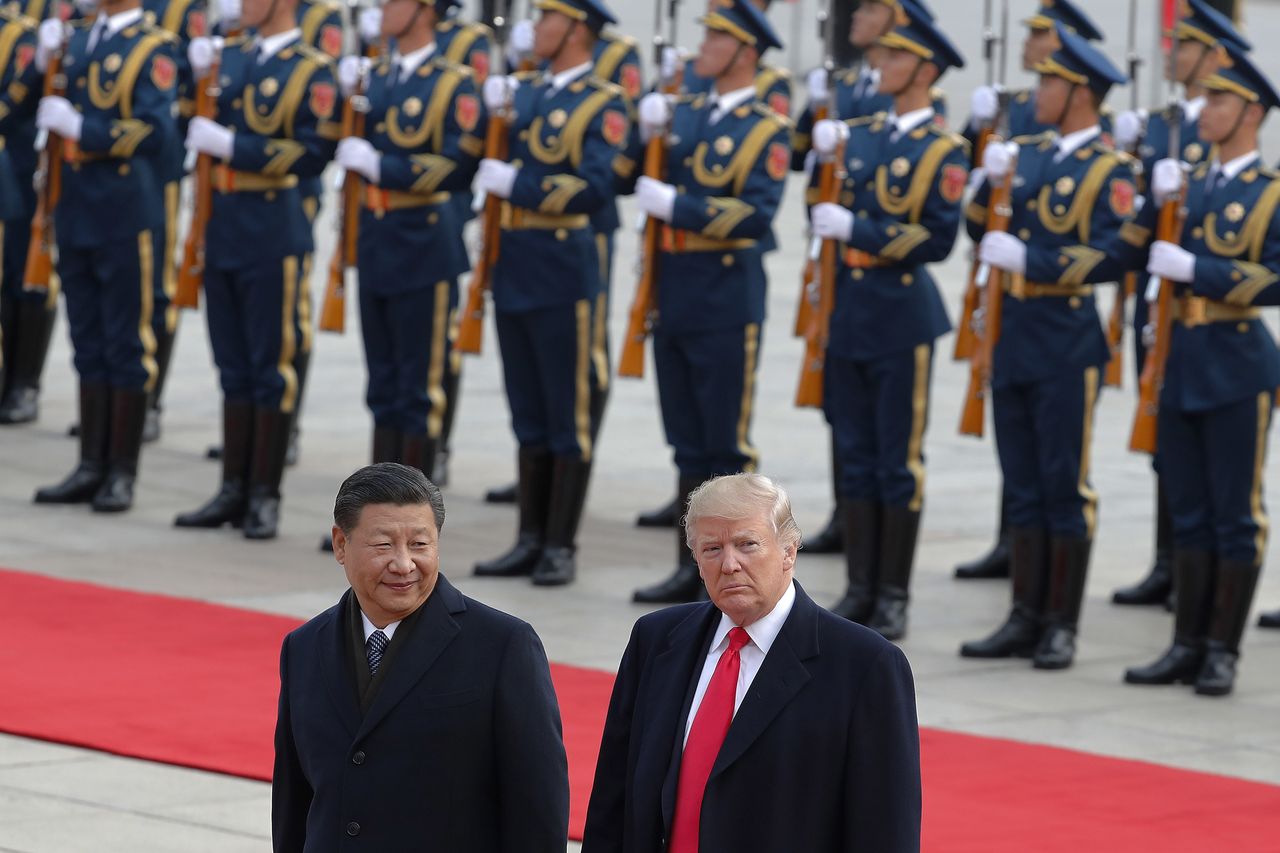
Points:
point(1032, 138)
point(152, 28)
point(317, 56)
point(605, 86)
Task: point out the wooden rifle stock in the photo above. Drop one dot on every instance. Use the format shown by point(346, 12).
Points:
point(822, 298)
point(809, 275)
point(989, 320)
point(333, 313)
point(471, 326)
point(1143, 437)
point(639, 321)
point(1114, 376)
point(191, 273)
point(966, 338)
point(39, 267)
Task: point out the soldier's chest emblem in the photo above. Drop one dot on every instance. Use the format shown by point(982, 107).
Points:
point(412, 107)
point(1234, 212)
point(269, 87)
point(1065, 185)
point(900, 167)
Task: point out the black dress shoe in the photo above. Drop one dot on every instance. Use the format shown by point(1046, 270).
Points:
point(684, 585)
point(116, 492)
point(1153, 589)
point(557, 567)
point(520, 560)
point(1269, 620)
point(1017, 637)
point(21, 406)
point(501, 494)
point(533, 490)
point(1181, 663)
point(1056, 649)
point(77, 488)
point(262, 518)
point(856, 605)
point(1218, 673)
point(84, 481)
point(151, 427)
point(664, 516)
point(228, 506)
point(889, 618)
point(993, 565)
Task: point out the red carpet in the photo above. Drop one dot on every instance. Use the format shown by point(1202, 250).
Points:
point(195, 684)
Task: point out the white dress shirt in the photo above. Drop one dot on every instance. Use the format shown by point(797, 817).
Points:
point(1231, 168)
point(108, 25)
point(369, 628)
point(727, 102)
point(564, 78)
point(1072, 142)
point(904, 124)
point(407, 63)
point(269, 46)
point(751, 657)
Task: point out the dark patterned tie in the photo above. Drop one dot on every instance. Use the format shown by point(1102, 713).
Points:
point(374, 647)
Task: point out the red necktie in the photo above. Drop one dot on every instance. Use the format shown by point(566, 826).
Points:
point(710, 725)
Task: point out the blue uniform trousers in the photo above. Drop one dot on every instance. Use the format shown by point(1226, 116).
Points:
point(600, 370)
point(109, 291)
point(878, 411)
point(407, 350)
point(1213, 477)
point(546, 367)
point(706, 387)
point(254, 330)
point(1043, 433)
point(164, 316)
point(17, 237)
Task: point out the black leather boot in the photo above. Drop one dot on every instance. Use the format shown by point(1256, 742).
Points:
point(1017, 637)
point(418, 451)
point(293, 447)
point(271, 432)
point(685, 583)
point(1235, 584)
point(232, 499)
point(830, 539)
point(899, 532)
point(995, 563)
point(1156, 586)
point(95, 423)
point(452, 387)
point(1269, 620)
point(164, 357)
point(386, 444)
point(1182, 661)
point(128, 412)
point(32, 327)
point(862, 527)
point(569, 479)
point(534, 487)
point(667, 515)
point(508, 494)
point(1068, 568)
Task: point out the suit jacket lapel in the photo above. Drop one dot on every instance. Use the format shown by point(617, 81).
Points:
point(778, 681)
point(436, 628)
point(337, 678)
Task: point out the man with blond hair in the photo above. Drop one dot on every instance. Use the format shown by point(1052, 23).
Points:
point(758, 721)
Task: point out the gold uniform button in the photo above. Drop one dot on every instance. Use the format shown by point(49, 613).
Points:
point(237, 103)
point(1074, 302)
point(524, 134)
point(1024, 234)
point(270, 195)
point(433, 218)
point(907, 279)
point(1197, 233)
point(1063, 261)
point(1242, 328)
point(857, 275)
point(891, 230)
point(1236, 275)
point(124, 169)
point(1031, 205)
point(727, 260)
point(1059, 209)
point(562, 234)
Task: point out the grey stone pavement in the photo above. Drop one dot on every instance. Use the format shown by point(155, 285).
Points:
point(56, 798)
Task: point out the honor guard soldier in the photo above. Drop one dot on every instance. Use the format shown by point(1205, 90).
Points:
point(567, 131)
point(420, 145)
point(1040, 43)
point(118, 109)
point(1198, 36)
point(727, 159)
point(275, 125)
point(1220, 378)
point(26, 315)
point(772, 83)
point(184, 20)
point(1071, 227)
point(900, 211)
point(856, 94)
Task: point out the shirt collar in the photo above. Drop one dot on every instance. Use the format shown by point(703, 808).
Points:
point(1072, 141)
point(904, 124)
point(729, 101)
point(1234, 167)
point(564, 78)
point(764, 630)
point(369, 627)
point(1191, 109)
point(271, 45)
point(411, 62)
point(120, 20)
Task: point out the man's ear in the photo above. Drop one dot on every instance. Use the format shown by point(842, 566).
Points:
point(339, 544)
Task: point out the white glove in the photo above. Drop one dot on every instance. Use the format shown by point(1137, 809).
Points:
point(1171, 262)
point(351, 69)
point(522, 37)
point(208, 137)
point(984, 103)
point(1167, 179)
point(1004, 251)
point(49, 40)
point(1128, 128)
point(495, 177)
point(498, 92)
point(370, 23)
point(655, 115)
point(831, 221)
point(56, 115)
point(670, 61)
point(202, 53)
point(816, 83)
point(656, 199)
point(358, 155)
point(827, 136)
point(998, 159)
point(229, 10)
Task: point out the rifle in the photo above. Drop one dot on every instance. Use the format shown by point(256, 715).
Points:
point(1114, 375)
point(988, 315)
point(643, 305)
point(1159, 330)
point(811, 274)
point(191, 272)
point(334, 310)
point(48, 179)
point(496, 143)
point(966, 339)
